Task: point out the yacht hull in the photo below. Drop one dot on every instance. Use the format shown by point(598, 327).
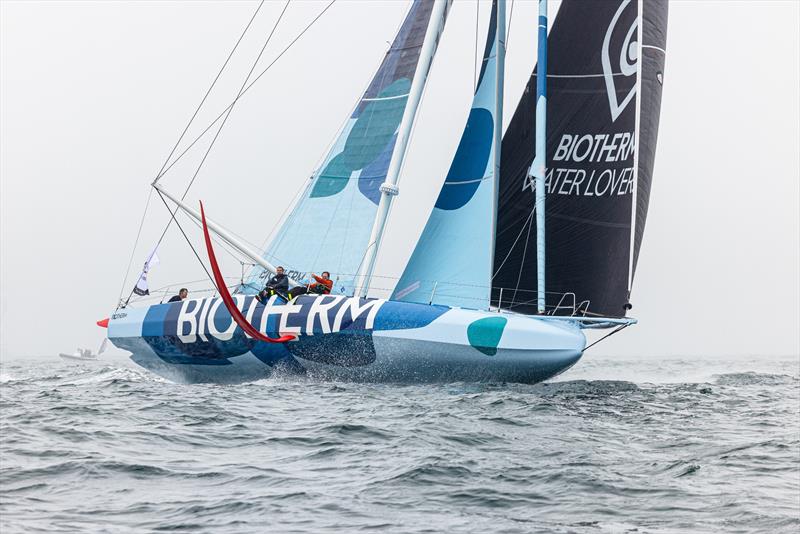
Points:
point(341, 338)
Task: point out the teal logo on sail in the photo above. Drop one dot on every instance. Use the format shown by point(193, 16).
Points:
point(373, 130)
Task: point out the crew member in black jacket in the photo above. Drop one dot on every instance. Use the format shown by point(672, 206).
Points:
point(277, 285)
point(182, 294)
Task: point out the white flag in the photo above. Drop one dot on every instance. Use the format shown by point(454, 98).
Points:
point(141, 284)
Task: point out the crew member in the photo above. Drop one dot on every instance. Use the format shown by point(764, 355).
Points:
point(277, 285)
point(182, 294)
point(321, 285)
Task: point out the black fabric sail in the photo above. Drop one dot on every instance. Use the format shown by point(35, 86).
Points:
point(594, 172)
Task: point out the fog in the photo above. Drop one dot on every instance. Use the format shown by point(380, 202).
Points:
point(94, 95)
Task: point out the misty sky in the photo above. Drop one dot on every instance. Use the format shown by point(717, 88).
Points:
point(94, 94)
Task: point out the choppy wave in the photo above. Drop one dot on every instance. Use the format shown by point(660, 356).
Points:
point(112, 448)
point(754, 379)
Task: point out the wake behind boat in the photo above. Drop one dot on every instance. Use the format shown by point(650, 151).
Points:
point(473, 302)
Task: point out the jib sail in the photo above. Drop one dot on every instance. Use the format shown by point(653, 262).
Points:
point(450, 264)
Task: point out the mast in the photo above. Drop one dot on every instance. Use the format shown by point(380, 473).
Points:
point(389, 188)
point(539, 165)
point(500, 40)
point(222, 232)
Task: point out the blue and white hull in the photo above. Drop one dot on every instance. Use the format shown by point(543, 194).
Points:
point(344, 338)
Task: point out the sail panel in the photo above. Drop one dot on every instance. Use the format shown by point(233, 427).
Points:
point(591, 142)
point(329, 228)
point(451, 263)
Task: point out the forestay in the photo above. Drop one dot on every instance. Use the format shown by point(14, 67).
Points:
point(452, 262)
point(330, 225)
point(603, 109)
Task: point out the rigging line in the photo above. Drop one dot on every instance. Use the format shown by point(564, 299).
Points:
point(216, 136)
point(219, 242)
point(347, 224)
point(330, 225)
point(172, 217)
point(180, 138)
point(286, 49)
point(510, 18)
point(522, 263)
point(533, 210)
point(317, 168)
point(222, 242)
point(188, 242)
point(288, 211)
point(285, 215)
point(213, 83)
point(135, 244)
point(235, 100)
point(619, 328)
point(236, 235)
point(182, 283)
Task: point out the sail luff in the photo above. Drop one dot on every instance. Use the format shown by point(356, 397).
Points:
point(652, 53)
point(389, 187)
point(637, 127)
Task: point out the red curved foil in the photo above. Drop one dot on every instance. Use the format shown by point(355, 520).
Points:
point(226, 296)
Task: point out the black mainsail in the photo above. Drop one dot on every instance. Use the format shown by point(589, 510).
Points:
point(603, 100)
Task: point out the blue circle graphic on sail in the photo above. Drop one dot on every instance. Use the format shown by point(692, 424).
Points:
point(470, 162)
point(374, 174)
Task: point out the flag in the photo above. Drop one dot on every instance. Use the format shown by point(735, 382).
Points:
point(141, 284)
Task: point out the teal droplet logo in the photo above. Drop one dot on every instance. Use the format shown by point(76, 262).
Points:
point(484, 334)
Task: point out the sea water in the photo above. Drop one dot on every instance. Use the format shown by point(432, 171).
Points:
point(634, 445)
